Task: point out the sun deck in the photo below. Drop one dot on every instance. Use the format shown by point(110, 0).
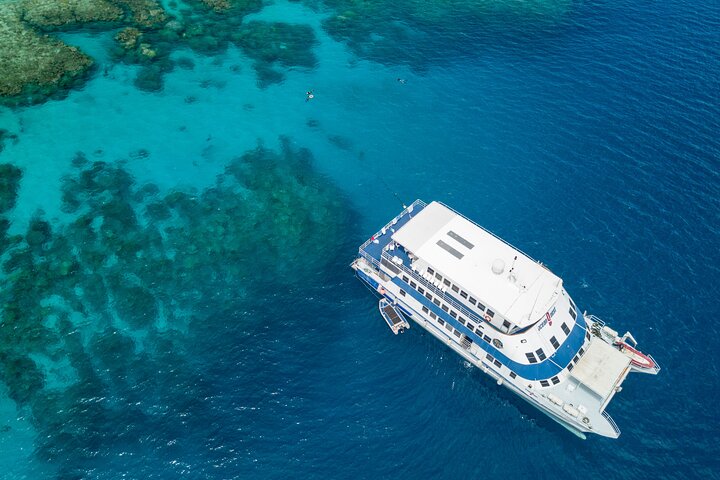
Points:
point(374, 246)
point(516, 286)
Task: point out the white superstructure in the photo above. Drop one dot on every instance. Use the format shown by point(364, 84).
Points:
point(518, 288)
point(502, 311)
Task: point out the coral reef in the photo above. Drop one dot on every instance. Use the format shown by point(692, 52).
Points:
point(50, 14)
point(273, 44)
point(241, 7)
point(111, 297)
point(10, 177)
point(150, 78)
point(341, 142)
point(379, 30)
point(57, 14)
point(32, 65)
point(128, 37)
point(218, 5)
point(185, 63)
point(144, 13)
point(36, 66)
point(407, 32)
point(148, 38)
point(284, 43)
point(4, 136)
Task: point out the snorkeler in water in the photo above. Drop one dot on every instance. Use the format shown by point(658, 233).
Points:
point(309, 95)
point(401, 80)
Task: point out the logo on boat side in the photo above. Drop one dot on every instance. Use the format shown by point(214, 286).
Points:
point(548, 319)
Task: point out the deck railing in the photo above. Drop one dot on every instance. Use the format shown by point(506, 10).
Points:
point(595, 319)
point(371, 260)
point(601, 323)
point(438, 292)
point(390, 223)
point(656, 368)
point(611, 422)
point(469, 315)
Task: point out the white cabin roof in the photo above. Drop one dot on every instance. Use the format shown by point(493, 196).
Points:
point(465, 253)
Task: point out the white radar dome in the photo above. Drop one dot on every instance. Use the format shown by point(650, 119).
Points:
point(498, 266)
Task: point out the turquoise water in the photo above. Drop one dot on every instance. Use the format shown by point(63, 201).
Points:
point(219, 333)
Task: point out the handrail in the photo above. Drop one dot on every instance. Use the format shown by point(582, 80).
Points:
point(461, 308)
point(595, 319)
point(656, 366)
point(476, 317)
point(601, 323)
point(611, 422)
point(416, 203)
point(369, 258)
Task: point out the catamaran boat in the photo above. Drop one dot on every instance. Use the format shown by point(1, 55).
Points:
point(500, 310)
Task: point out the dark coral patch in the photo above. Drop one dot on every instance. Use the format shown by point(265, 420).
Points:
point(6, 136)
point(38, 234)
point(10, 176)
point(138, 263)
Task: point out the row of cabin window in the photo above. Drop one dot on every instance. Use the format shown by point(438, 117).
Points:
point(494, 360)
point(453, 314)
point(556, 344)
point(413, 284)
point(540, 353)
point(449, 327)
point(572, 363)
point(462, 293)
point(437, 302)
point(575, 359)
point(497, 363)
point(573, 313)
point(554, 380)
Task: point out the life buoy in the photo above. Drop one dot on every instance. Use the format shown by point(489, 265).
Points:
point(487, 317)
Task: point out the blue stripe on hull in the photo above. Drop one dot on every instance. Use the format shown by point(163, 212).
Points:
point(541, 371)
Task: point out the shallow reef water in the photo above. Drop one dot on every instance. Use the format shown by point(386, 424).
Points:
point(177, 218)
point(99, 306)
point(147, 32)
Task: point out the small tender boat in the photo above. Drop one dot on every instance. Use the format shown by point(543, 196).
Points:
point(637, 358)
point(393, 317)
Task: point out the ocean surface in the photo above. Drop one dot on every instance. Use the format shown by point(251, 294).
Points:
point(185, 307)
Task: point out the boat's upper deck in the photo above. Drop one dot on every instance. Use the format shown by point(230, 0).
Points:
point(378, 242)
point(515, 285)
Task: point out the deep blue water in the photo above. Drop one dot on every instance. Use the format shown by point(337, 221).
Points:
point(588, 138)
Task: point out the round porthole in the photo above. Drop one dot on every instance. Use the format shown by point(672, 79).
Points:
point(497, 343)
